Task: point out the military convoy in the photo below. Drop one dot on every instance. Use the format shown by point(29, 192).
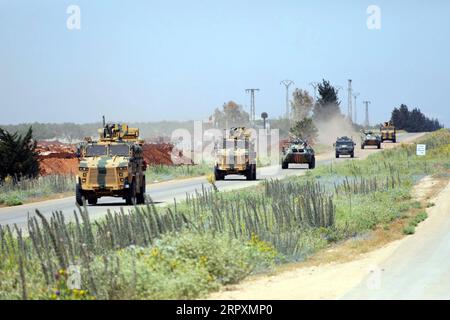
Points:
point(298, 151)
point(369, 138)
point(113, 166)
point(235, 154)
point(388, 132)
point(344, 146)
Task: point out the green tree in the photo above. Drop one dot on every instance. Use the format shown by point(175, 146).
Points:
point(301, 104)
point(414, 120)
point(18, 156)
point(305, 129)
point(327, 106)
point(231, 115)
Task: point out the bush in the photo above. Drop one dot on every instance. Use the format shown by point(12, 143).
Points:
point(409, 229)
point(13, 201)
point(181, 266)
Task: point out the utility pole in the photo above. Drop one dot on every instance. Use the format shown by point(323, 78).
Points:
point(356, 95)
point(366, 122)
point(287, 83)
point(252, 103)
point(350, 110)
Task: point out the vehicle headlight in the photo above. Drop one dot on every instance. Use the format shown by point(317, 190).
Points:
point(123, 168)
point(83, 168)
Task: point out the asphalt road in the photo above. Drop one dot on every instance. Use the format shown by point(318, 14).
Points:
point(165, 192)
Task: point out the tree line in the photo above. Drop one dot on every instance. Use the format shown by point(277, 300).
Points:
point(413, 120)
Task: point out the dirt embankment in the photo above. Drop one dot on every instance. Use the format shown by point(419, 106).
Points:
point(59, 158)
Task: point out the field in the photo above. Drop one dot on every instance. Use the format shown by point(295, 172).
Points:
point(188, 249)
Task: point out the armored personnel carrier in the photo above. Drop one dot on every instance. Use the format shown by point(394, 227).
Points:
point(113, 166)
point(344, 146)
point(298, 151)
point(369, 138)
point(388, 132)
point(235, 154)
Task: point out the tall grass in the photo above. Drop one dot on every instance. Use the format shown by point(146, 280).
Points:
point(162, 172)
point(15, 193)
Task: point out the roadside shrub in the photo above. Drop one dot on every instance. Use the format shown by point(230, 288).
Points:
point(409, 229)
point(180, 266)
point(13, 201)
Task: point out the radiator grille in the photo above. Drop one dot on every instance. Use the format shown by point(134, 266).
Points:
point(102, 176)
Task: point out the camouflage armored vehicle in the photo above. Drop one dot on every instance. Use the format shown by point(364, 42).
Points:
point(369, 138)
point(298, 151)
point(235, 154)
point(344, 146)
point(388, 132)
point(113, 166)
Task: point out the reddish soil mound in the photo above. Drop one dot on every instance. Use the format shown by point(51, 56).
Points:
point(50, 166)
point(59, 158)
point(164, 154)
point(158, 153)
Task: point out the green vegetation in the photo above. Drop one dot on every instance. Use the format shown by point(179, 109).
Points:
point(413, 222)
point(327, 106)
point(414, 120)
point(305, 129)
point(163, 173)
point(187, 249)
point(16, 193)
point(18, 156)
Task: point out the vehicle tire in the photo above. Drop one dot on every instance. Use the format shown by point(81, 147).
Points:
point(92, 200)
point(337, 155)
point(284, 165)
point(352, 155)
point(131, 194)
point(140, 197)
point(312, 164)
point(217, 174)
point(249, 173)
point(362, 146)
point(394, 140)
point(78, 195)
point(379, 146)
point(253, 171)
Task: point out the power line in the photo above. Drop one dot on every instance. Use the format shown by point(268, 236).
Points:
point(366, 122)
point(349, 109)
point(356, 95)
point(287, 83)
point(252, 103)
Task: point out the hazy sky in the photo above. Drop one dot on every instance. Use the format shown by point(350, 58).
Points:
point(175, 60)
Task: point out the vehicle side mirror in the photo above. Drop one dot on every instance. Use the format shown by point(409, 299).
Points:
point(334, 144)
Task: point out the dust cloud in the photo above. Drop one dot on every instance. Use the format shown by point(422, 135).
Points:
point(337, 126)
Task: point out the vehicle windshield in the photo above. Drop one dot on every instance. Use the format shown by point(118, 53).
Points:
point(343, 143)
point(95, 150)
point(119, 150)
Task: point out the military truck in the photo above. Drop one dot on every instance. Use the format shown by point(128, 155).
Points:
point(388, 132)
point(298, 151)
point(369, 138)
point(344, 146)
point(235, 154)
point(113, 166)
